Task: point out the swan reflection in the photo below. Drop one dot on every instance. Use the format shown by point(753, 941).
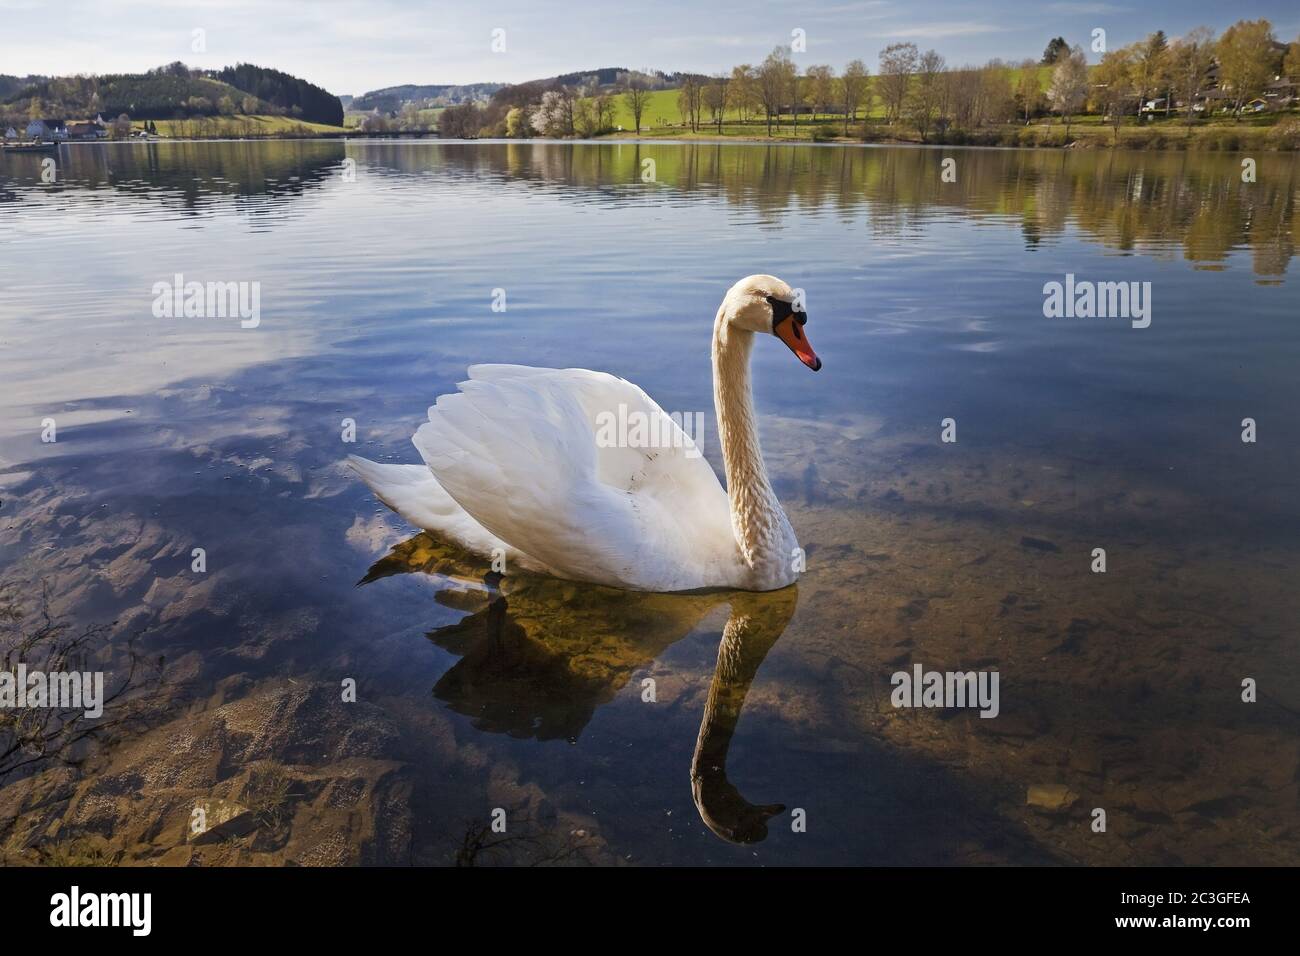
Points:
point(539, 655)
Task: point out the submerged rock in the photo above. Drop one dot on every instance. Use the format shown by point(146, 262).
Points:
point(1038, 544)
point(1052, 797)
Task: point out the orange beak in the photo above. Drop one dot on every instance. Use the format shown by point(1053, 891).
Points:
point(790, 331)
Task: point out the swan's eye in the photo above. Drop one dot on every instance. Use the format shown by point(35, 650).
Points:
point(781, 309)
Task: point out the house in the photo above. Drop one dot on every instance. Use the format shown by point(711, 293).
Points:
point(1280, 93)
point(11, 133)
point(87, 131)
point(47, 130)
point(1211, 100)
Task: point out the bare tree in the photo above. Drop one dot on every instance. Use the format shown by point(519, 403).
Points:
point(685, 97)
point(744, 91)
point(997, 105)
point(690, 100)
point(773, 84)
point(1190, 60)
point(716, 96)
point(636, 93)
point(821, 87)
point(568, 104)
point(795, 92)
point(603, 105)
point(979, 95)
point(898, 62)
point(697, 101)
point(966, 97)
point(584, 117)
point(463, 122)
point(925, 99)
point(856, 89)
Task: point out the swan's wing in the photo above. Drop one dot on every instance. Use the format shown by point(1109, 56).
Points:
point(518, 449)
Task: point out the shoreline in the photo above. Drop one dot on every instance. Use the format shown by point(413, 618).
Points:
point(1217, 139)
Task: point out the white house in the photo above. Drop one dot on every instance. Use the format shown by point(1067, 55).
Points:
point(47, 130)
point(11, 133)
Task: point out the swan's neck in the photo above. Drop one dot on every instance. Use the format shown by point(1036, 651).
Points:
point(756, 516)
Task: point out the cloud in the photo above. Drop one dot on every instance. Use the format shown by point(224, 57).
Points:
point(937, 31)
point(1085, 8)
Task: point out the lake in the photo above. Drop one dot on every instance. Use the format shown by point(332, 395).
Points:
point(190, 517)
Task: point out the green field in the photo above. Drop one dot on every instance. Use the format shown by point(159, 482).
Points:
point(237, 126)
point(661, 111)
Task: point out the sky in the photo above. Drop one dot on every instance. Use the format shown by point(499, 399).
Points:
point(353, 46)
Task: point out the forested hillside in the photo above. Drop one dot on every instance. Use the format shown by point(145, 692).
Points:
point(291, 94)
point(9, 85)
point(173, 91)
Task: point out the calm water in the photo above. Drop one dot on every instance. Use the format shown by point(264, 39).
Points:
point(377, 266)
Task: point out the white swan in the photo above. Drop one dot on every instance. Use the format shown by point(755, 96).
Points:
point(514, 461)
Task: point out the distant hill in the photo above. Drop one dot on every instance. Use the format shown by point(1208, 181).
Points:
point(608, 76)
point(174, 91)
point(391, 99)
point(394, 99)
point(605, 76)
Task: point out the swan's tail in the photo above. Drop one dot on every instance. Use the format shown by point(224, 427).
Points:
point(410, 490)
point(414, 493)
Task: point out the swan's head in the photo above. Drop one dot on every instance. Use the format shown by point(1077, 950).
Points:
point(763, 303)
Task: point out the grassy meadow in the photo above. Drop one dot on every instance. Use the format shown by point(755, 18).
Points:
point(234, 127)
point(661, 119)
point(661, 111)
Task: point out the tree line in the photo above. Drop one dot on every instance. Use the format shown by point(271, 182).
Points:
point(1243, 63)
point(1198, 72)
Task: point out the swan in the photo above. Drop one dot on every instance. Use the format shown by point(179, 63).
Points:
point(515, 467)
